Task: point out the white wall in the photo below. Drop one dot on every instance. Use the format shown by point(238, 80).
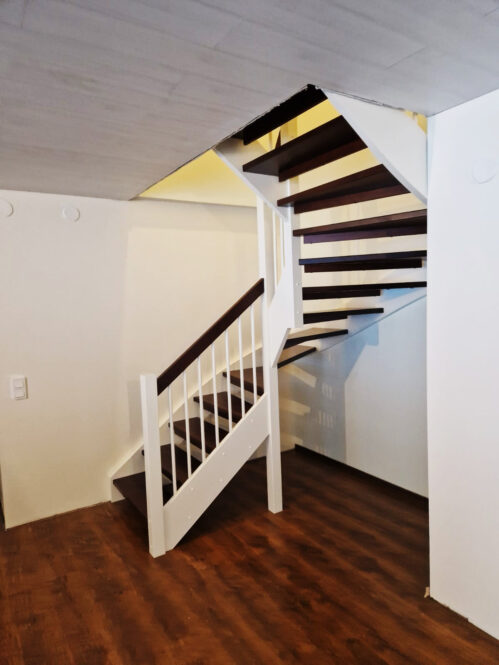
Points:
point(84, 307)
point(463, 360)
point(363, 402)
point(186, 265)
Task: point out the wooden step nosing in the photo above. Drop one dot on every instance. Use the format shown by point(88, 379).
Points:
point(304, 338)
point(348, 312)
point(179, 430)
point(291, 359)
point(366, 234)
point(380, 221)
point(321, 159)
point(309, 137)
point(352, 258)
point(347, 199)
point(321, 145)
point(366, 265)
point(317, 317)
point(247, 383)
point(223, 410)
point(316, 294)
point(337, 291)
point(360, 181)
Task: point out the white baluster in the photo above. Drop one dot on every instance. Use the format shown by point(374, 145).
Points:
point(273, 447)
point(283, 258)
point(253, 351)
point(201, 411)
point(274, 249)
point(187, 427)
point(152, 460)
point(172, 439)
point(241, 369)
point(227, 364)
point(215, 394)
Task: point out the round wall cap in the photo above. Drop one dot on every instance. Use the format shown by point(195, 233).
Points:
point(484, 169)
point(70, 213)
point(6, 208)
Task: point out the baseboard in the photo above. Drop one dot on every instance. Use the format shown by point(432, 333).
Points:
point(374, 480)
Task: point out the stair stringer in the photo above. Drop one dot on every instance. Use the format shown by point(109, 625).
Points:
point(132, 460)
point(234, 154)
point(209, 479)
point(393, 137)
point(285, 302)
point(392, 301)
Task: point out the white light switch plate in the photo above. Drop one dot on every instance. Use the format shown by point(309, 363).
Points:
point(18, 387)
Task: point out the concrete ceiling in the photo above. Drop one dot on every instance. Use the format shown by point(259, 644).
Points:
point(105, 97)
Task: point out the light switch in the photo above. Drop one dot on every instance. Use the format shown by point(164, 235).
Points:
point(18, 387)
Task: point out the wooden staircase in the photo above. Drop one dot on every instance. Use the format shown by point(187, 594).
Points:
point(195, 439)
point(332, 141)
point(240, 408)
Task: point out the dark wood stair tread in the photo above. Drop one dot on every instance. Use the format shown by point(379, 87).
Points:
point(369, 184)
point(180, 464)
point(309, 334)
point(399, 224)
point(385, 221)
point(322, 292)
point(324, 144)
point(302, 101)
point(223, 405)
point(411, 259)
point(338, 314)
point(355, 290)
point(195, 433)
point(293, 353)
point(133, 488)
point(235, 378)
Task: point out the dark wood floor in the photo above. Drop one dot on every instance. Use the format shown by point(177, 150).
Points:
point(338, 578)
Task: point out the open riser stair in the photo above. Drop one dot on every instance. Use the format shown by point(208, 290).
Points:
point(210, 411)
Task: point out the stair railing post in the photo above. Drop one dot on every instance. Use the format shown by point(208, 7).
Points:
point(152, 459)
point(273, 442)
point(292, 244)
point(293, 273)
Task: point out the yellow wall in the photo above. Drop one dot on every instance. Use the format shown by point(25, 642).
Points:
point(208, 180)
point(204, 180)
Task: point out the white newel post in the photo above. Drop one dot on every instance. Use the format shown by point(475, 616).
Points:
point(273, 443)
point(152, 458)
point(294, 276)
point(292, 244)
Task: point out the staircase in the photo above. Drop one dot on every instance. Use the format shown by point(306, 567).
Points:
point(207, 414)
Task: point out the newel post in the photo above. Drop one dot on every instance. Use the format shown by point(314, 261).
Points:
point(152, 458)
point(273, 442)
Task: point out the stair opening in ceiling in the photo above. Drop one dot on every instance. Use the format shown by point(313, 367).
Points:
point(206, 179)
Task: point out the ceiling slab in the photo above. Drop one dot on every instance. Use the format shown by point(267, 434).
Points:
point(106, 98)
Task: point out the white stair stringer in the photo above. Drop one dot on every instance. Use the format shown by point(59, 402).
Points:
point(392, 136)
point(286, 307)
point(234, 155)
point(209, 479)
point(392, 301)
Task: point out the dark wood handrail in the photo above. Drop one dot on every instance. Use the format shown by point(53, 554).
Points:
point(207, 338)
